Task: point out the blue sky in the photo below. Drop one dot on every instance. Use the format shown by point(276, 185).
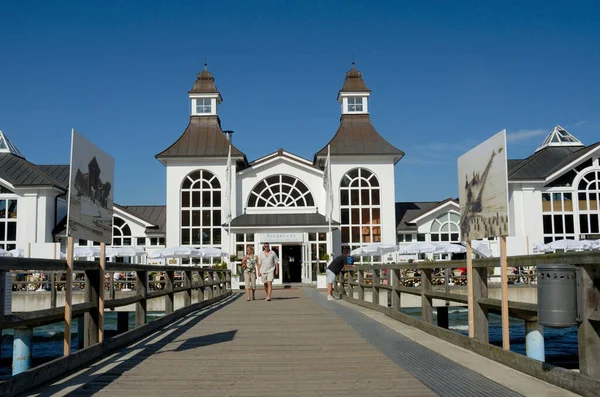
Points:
point(445, 76)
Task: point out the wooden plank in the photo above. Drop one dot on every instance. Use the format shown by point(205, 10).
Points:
point(169, 287)
point(305, 344)
point(470, 298)
point(504, 277)
point(480, 313)
point(426, 301)
point(141, 287)
point(588, 331)
point(68, 298)
point(187, 298)
point(93, 291)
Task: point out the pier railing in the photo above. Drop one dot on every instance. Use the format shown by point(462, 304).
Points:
point(382, 287)
point(199, 286)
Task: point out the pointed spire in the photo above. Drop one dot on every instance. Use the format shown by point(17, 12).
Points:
point(205, 83)
point(6, 146)
point(354, 81)
point(558, 136)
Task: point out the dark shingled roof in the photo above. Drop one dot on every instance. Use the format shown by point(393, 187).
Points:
point(354, 82)
point(203, 137)
point(406, 211)
point(357, 136)
point(205, 83)
point(60, 173)
point(20, 172)
point(154, 214)
point(546, 161)
point(311, 219)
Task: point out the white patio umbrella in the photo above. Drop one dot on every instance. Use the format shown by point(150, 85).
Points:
point(17, 253)
point(85, 252)
point(4, 252)
point(374, 249)
point(449, 248)
point(567, 245)
point(541, 248)
point(182, 251)
point(480, 248)
point(125, 251)
point(211, 252)
point(421, 247)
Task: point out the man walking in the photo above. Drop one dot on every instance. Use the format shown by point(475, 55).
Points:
point(334, 268)
point(268, 268)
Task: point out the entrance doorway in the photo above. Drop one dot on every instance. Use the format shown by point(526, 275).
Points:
point(291, 263)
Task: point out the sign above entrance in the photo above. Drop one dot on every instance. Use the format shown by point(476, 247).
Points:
point(281, 238)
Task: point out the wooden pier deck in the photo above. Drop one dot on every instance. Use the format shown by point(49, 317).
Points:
point(299, 344)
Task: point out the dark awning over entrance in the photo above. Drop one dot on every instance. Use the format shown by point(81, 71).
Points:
point(278, 220)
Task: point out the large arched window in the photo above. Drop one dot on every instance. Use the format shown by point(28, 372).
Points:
point(121, 232)
point(280, 191)
point(360, 207)
point(446, 227)
point(588, 190)
point(201, 209)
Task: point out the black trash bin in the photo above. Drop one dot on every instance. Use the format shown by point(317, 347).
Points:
point(557, 295)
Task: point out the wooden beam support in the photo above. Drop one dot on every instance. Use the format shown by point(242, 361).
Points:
point(141, 287)
point(170, 288)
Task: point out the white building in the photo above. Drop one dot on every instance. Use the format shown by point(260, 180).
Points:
point(280, 198)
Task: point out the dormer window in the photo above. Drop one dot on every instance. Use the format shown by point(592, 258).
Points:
point(203, 105)
point(355, 104)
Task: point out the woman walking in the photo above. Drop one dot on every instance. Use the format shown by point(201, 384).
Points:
point(249, 266)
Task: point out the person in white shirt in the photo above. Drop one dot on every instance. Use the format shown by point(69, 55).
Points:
point(268, 268)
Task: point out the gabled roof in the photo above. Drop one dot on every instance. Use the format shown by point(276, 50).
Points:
point(546, 162)
point(409, 212)
point(21, 173)
point(59, 172)
point(153, 214)
point(357, 136)
point(282, 153)
point(203, 137)
point(406, 211)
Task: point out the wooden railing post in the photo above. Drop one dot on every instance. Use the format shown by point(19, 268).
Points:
point(187, 297)
point(141, 287)
point(395, 282)
point(52, 276)
point(112, 285)
point(91, 319)
point(375, 286)
point(170, 286)
point(209, 281)
point(350, 280)
point(480, 314)
point(426, 302)
point(588, 332)
point(361, 288)
point(201, 276)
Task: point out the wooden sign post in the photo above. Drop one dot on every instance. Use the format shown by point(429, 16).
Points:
point(504, 305)
point(68, 297)
point(101, 293)
point(470, 301)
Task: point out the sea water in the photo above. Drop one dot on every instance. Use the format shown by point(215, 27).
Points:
point(560, 344)
point(48, 340)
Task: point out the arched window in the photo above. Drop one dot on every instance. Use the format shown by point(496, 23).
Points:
point(280, 191)
point(8, 223)
point(360, 207)
point(121, 232)
point(588, 190)
point(446, 228)
point(201, 209)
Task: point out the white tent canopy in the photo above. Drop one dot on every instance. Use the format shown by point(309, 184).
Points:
point(374, 249)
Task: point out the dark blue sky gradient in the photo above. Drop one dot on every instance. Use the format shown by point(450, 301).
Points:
point(445, 76)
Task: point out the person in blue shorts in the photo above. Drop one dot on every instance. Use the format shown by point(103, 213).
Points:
point(334, 268)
